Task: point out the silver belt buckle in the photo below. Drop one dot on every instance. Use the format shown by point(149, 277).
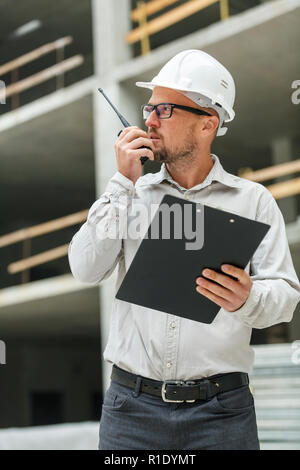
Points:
point(163, 390)
point(175, 382)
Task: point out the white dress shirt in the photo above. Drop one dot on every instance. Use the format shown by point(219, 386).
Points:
point(162, 346)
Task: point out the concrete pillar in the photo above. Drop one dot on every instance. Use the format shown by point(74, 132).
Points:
point(111, 21)
point(282, 151)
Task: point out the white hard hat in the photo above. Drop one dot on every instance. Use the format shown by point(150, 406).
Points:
point(202, 79)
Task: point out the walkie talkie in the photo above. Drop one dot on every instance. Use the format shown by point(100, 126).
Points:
point(124, 122)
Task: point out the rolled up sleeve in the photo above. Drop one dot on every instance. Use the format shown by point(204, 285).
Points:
point(275, 291)
point(96, 248)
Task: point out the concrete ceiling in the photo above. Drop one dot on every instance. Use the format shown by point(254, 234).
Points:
point(59, 18)
point(51, 156)
point(264, 60)
point(65, 315)
point(57, 146)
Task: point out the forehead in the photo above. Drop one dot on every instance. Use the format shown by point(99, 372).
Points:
point(164, 95)
point(167, 95)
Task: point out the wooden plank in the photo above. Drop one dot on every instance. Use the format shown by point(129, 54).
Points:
point(151, 7)
point(26, 252)
point(273, 171)
point(224, 9)
point(41, 229)
point(42, 76)
point(168, 19)
point(285, 189)
point(145, 41)
point(41, 258)
point(35, 54)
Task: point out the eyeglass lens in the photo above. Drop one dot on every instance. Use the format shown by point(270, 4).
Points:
point(162, 110)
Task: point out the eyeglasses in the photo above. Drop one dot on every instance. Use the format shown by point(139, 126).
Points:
point(165, 110)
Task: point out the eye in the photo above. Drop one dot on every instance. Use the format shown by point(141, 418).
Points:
point(164, 109)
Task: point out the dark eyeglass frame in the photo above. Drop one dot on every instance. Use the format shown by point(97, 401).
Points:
point(178, 106)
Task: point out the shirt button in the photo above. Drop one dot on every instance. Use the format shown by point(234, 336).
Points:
point(169, 364)
point(173, 324)
point(186, 196)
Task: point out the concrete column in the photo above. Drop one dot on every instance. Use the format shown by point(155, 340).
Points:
point(111, 21)
point(282, 151)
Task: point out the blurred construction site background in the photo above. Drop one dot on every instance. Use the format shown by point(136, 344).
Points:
point(56, 156)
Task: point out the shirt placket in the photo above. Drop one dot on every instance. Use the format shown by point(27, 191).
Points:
point(173, 322)
point(171, 347)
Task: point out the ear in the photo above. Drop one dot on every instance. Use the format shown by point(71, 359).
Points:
point(210, 125)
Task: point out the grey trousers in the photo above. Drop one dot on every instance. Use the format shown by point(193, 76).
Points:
point(146, 422)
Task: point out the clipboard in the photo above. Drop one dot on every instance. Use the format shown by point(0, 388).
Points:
point(162, 275)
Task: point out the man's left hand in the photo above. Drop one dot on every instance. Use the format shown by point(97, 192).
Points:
point(229, 293)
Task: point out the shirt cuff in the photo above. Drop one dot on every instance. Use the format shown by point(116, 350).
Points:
point(251, 303)
point(120, 184)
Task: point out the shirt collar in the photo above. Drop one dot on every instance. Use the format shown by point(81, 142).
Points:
point(217, 173)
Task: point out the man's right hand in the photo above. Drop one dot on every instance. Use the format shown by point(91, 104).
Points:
point(128, 153)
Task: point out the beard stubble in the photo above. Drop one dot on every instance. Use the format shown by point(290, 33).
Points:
point(182, 154)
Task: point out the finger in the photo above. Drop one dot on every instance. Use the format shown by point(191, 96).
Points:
point(215, 289)
point(142, 153)
point(214, 298)
point(221, 279)
point(124, 132)
point(131, 133)
point(140, 142)
point(234, 271)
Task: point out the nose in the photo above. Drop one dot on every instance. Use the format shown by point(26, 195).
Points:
point(152, 120)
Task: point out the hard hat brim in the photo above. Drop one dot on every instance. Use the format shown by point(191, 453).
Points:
point(145, 85)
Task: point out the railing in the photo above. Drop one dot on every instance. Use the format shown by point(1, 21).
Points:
point(147, 28)
point(16, 87)
point(25, 236)
point(278, 190)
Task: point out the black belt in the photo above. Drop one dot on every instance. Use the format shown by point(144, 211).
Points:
point(178, 391)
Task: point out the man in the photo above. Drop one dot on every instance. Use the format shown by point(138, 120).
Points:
point(211, 407)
